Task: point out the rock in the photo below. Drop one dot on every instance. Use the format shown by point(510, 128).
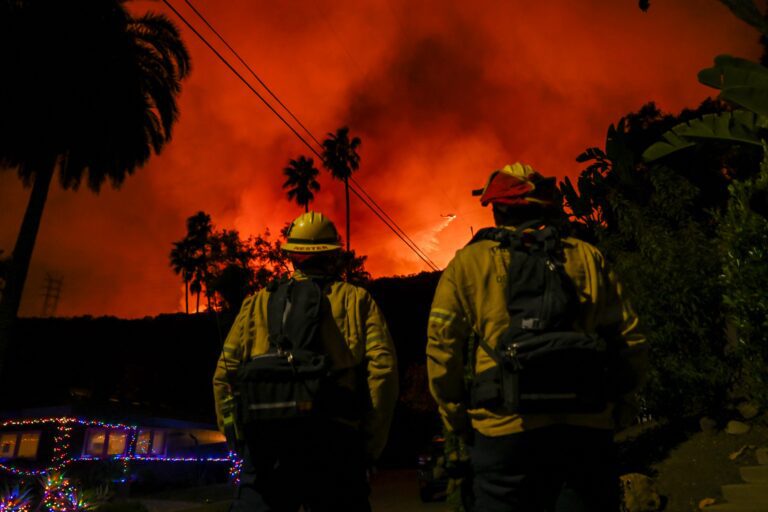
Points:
point(736, 428)
point(707, 424)
point(639, 493)
point(748, 410)
point(762, 456)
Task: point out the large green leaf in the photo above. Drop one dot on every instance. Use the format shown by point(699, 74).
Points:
point(740, 81)
point(747, 11)
point(739, 126)
point(752, 98)
point(731, 71)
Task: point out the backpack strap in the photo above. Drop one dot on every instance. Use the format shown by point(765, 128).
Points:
point(277, 312)
point(506, 237)
point(544, 241)
point(490, 351)
point(293, 316)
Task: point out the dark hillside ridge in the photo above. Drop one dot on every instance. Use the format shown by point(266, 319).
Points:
point(163, 366)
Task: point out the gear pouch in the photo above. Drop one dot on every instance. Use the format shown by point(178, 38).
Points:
point(281, 385)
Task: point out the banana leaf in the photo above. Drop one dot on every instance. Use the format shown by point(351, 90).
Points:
point(730, 71)
point(752, 98)
point(747, 11)
point(739, 126)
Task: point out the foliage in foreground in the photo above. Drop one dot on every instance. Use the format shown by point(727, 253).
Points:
point(657, 225)
point(744, 235)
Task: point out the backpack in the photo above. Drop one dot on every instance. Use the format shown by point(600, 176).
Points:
point(542, 364)
point(288, 381)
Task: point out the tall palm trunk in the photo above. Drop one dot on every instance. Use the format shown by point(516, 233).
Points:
point(197, 306)
point(186, 296)
point(22, 254)
point(346, 190)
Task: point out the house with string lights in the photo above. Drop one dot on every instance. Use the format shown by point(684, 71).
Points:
point(167, 449)
point(128, 398)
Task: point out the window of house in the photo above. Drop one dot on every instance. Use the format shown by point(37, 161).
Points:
point(117, 442)
point(105, 442)
point(151, 442)
point(28, 442)
point(8, 445)
point(143, 442)
point(158, 442)
point(19, 445)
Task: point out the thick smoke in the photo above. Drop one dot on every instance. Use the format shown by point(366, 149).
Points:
point(440, 92)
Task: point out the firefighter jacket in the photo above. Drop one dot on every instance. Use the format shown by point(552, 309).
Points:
point(471, 300)
point(356, 338)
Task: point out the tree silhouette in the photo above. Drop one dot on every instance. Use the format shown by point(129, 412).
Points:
point(341, 158)
point(199, 233)
point(232, 273)
point(90, 91)
point(183, 263)
point(301, 181)
point(351, 268)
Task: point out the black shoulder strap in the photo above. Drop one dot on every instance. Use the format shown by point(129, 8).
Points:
point(540, 241)
point(505, 237)
point(490, 351)
point(276, 312)
point(293, 315)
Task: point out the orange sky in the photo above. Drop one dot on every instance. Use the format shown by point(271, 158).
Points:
point(441, 92)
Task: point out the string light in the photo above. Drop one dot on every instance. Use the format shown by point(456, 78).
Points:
point(16, 500)
point(59, 495)
point(62, 445)
point(234, 470)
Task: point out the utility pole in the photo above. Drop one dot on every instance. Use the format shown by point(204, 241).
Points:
point(51, 294)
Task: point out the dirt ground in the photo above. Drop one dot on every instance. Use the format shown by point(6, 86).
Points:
point(693, 467)
point(391, 491)
point(697, 467)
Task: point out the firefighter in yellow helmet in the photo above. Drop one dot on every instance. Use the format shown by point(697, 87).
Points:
point(309, 369)
point(556, 352)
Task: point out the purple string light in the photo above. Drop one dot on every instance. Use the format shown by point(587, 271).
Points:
point(62, 445)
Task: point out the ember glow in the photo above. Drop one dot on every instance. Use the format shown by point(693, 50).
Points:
point(441, 93)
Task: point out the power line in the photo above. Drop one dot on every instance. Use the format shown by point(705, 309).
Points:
point(242, 79)
point(353, 61)
point(431, 263)
point(414, 248)
point(405, 238)
point(409, 242)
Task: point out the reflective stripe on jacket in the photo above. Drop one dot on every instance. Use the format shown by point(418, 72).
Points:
point(471, 298)
point(354, 333)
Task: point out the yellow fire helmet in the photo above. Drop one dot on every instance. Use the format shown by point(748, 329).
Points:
point(518, 184)
point(312, 232)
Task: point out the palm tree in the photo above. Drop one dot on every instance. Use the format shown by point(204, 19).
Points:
point(341, 158)
point(89, 91)
point(183, 263)
point(302, 181)
point(200, 233)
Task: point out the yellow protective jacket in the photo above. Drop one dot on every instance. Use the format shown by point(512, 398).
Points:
point(470, 298)
point(354, 333)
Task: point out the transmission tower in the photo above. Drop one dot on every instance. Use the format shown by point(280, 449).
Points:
point(51, 294)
